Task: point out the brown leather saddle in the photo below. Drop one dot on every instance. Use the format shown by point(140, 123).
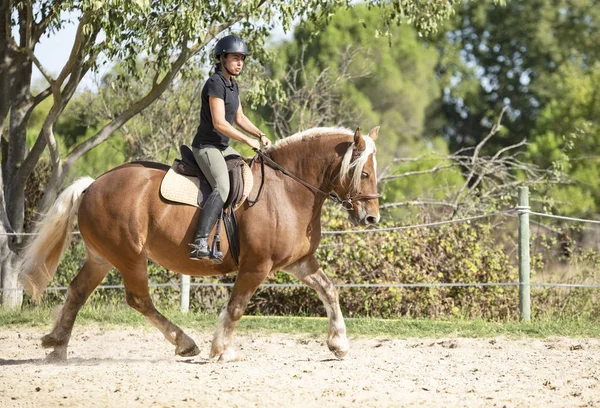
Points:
point(187, 166)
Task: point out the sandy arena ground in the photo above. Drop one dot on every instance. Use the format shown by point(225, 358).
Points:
point(137, 367)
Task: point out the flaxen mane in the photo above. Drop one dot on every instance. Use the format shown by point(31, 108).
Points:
point(350, 169)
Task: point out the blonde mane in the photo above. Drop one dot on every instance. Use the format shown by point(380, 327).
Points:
point(310, 134)
point(350, 169)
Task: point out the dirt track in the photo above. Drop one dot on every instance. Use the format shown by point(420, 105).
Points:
point(137, 367)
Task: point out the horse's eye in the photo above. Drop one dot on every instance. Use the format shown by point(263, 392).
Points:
point(365, 175)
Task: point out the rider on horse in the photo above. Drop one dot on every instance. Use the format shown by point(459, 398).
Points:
point(221, 107)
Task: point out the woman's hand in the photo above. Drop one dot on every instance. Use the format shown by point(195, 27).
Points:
point(265, 141)
point(253, 143)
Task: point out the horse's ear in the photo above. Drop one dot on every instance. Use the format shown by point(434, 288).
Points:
point(359, 141)
point(374, 133)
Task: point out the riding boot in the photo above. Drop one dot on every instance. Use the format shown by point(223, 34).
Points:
point(210, 212)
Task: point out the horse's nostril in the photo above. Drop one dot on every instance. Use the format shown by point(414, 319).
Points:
point(371, 219)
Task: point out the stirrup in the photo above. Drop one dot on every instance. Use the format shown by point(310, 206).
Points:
point(215, 250)
point(196, 253)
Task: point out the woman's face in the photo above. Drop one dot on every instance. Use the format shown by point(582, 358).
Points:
point(234, 63)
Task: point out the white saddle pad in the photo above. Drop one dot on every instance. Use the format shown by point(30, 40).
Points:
point(183, 189)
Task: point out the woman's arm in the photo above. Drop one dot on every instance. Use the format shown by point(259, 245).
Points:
point(246, 124)
point(217, 109)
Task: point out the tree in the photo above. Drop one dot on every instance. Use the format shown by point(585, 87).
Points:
point(497, 56)
point(566, 138)
point(169, 32)
point(350, 75)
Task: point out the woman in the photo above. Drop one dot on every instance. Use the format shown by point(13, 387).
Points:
point(220, 108)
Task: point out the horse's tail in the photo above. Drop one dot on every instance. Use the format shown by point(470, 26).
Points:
point(40, 259)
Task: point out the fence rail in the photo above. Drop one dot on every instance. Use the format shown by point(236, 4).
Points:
point(522, 210)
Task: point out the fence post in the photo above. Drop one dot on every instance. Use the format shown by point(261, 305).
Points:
point(524, 259)
point(185, 293)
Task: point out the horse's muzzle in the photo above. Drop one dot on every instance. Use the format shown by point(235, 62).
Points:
point(364, 219)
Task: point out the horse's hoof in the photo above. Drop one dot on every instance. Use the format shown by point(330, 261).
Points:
point(340, 354)
point(224, 356)
point(57, 356)
point(186, 347)
point(49, 341)
point(188, 352)
point(339, 347)
point(228, 355)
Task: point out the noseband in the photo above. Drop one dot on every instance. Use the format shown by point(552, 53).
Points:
point(347, 202)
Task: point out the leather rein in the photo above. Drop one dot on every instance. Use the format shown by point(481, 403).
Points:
point(347, 202)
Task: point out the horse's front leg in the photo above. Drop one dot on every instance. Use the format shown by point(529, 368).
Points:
point(244, 287)
point(309, 272)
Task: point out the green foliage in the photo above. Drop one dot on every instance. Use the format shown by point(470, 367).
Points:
point(567, 137)
point(387, 85)
point(495, 56)
point(438, 186)
point(569, 255)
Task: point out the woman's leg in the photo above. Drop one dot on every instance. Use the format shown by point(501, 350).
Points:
point(214, 168)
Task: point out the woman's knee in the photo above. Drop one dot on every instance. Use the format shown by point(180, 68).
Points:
point(222, 187)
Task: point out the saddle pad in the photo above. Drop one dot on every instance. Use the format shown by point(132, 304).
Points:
point(184, 189)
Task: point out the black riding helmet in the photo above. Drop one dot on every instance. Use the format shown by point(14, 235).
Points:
point(230, 44)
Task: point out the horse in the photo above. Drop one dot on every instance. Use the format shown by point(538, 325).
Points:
point(124, 222)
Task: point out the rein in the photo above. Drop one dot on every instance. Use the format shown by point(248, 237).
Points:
point(347, 202)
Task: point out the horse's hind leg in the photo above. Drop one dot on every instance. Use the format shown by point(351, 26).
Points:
point(309, 272)
point(87, 279)
point(138, 297)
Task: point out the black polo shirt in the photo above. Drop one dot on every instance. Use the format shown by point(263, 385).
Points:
point(219, 86)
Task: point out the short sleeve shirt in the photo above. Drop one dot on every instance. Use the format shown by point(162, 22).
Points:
point(219, 86)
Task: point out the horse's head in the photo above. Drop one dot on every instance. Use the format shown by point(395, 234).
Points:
point(358, 180)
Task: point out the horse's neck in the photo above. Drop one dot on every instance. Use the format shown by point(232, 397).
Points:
point(312, 161)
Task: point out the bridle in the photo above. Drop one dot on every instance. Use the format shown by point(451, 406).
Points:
point(347, 202)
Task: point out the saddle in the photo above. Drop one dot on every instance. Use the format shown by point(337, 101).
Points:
point(185, 183)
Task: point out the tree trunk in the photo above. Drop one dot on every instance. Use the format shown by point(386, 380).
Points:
point(17, 143)
point(6, 72)
point(11, 298)
point(15, 103)
point(12, 293)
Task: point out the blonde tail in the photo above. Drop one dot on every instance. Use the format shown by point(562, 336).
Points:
point(40, 259)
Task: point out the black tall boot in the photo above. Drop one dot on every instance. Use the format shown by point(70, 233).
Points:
point(210, 212)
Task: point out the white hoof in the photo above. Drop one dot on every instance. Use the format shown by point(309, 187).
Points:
point(339, 346)
point(228, 355)
point(224, 356)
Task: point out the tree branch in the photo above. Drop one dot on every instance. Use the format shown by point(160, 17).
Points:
point(150, 97)
point(40, 97)
point(134, 109)
point(6, 8)
point(31, 55)
point(419, 172)
point(494, 130)
point(41, 27)
point(29, 24)
point(75, 55)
